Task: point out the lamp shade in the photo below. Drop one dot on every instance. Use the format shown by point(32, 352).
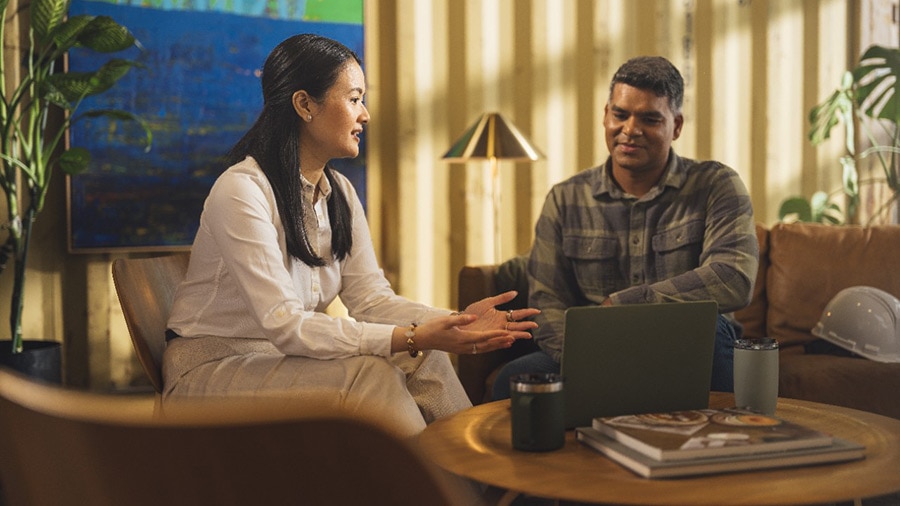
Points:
point(492, 137)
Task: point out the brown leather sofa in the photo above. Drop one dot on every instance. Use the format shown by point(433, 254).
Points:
point(802, 266)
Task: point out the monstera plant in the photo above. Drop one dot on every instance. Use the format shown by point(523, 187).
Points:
point(40, 101)
point(868, 98)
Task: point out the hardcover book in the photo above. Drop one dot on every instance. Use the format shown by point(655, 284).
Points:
point(838, 451)
point(684, 435)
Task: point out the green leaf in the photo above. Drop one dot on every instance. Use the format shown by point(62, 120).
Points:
point(46, 15)
point(54, 96)
point(850, 182)
point(831, 219)
point(76, 85)
point(116, 114)
point(797, 206)
point(120, 115)
point(817, 209)
point(74, 160)
point(878, 87)
point(824, 211)
point(850, 176)
point(837, 108)
point(65, 36)
point(104, 35)
point(818, 201)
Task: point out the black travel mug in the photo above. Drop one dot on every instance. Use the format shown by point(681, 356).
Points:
point(537, 410)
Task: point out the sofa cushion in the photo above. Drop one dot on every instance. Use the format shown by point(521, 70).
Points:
point(810, 263)
point(753, 317)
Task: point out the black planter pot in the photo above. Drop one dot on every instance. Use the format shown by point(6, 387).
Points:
point(41, 360)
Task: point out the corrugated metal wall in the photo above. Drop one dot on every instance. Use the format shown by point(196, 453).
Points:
point(753, 69)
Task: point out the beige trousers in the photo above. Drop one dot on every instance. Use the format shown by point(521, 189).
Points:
point(408, 392)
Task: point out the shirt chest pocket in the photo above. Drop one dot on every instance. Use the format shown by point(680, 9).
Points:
point(678, 249)
point(594, 262)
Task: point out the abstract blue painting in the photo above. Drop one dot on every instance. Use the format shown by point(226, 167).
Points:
point(199, 91)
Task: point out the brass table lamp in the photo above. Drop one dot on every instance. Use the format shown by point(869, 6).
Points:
point(493, 138)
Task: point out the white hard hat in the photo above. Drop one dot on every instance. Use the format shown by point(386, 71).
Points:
point(864, 320)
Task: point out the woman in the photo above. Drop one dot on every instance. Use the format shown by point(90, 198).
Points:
point(281, 236)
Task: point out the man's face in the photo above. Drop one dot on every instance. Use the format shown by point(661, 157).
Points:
point(640, 128)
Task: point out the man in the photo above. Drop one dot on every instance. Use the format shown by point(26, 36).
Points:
point(646, 226)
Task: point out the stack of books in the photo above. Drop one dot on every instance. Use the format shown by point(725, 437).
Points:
point(710, 441)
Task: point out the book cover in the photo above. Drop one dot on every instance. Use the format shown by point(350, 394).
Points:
point(684, 435)
point(838, 451)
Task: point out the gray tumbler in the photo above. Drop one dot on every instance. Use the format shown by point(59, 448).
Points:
point(756, 374)
point(536, 407)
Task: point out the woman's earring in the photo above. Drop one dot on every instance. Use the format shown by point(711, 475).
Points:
point(309, 117)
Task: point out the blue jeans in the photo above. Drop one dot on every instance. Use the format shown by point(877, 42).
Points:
point(539, 362)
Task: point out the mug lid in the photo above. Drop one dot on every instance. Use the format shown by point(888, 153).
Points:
point(764, 343)
point(536, 383)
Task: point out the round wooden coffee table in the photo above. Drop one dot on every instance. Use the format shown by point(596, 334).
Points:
point(475, 443)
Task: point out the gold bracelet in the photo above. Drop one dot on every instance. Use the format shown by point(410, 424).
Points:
point(410, 341)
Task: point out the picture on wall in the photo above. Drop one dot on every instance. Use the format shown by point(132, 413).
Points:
point(199, 91)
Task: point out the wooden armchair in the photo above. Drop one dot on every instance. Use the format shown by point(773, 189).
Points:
point(146, 289)
point(62, 447)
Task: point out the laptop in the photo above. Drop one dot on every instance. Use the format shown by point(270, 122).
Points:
point(637, 358)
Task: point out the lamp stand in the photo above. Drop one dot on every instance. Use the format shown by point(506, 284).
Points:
point(495, 195)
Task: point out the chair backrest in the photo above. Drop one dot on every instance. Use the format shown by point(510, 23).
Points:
point(60, 447)
point(146, 288)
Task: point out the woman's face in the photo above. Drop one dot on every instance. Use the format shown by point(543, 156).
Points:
point(337, 120)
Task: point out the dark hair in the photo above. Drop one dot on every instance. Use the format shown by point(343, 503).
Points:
point(303, 62)
point(653, 73)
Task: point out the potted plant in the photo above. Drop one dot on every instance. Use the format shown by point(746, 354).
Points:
point(868, 99)
point(37, 108)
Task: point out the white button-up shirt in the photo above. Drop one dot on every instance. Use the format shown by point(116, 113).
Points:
point(242, 282)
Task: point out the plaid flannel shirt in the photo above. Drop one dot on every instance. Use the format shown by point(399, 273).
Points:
point(692, 237)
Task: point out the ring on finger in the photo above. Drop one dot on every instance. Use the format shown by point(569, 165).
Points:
point(509, 316)
point(507, 326)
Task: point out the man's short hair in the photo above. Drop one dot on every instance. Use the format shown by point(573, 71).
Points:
point(652, 73)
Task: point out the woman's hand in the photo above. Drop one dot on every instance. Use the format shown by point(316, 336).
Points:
point(479, 329)
point(489, 318)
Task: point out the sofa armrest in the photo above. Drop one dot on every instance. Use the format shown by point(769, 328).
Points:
point(475, 283)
